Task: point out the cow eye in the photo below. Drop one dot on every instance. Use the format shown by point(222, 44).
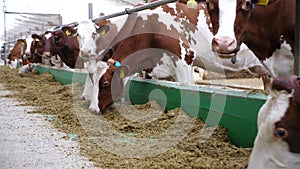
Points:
point(106, 84)
point(280, 133)
point(248, 5)
point(209, 5)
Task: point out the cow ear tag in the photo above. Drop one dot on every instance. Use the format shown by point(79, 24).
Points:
point(103, 32)
point(122, 74)
point(192, 4)
point(68, 33)
point(262, 2)
point(36, 39)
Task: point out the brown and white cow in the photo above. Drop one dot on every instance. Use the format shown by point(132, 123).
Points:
point(61, 43)
point(277, 144)
point(34, 53)
point(16, 53)
point(170, 31)
point(267, 29)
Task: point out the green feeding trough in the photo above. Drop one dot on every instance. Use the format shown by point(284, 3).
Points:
point(64, 75)
point(234, 109)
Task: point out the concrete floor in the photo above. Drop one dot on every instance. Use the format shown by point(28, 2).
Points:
point(29, 141)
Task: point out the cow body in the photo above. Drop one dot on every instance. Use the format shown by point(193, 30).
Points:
point(277, 144)
point(267, 33)
point(171, 32)
point(17, 52)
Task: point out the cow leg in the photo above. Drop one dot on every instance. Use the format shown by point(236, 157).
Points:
point(264, 74)
point(94, 108)
point(88, 89)
point(184, 72)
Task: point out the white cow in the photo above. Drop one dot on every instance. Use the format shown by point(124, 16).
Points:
point(87, 34)
point(277, 144)
point(91, 90)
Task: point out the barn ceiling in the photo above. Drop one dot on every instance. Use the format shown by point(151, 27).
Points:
point(25, 24)
point(28, 23)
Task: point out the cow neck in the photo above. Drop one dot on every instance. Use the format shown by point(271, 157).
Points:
point(264, 44)
point(36, 50)
point(17, 50)
point(123, 33)
point(125, 30)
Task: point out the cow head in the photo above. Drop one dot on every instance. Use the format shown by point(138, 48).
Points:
point(232, 24)
point(61, 36)
point(111, 85)
point(46, 43)
point(35, 46)
point(277, 144)
point(29, 41)
point(87, 34)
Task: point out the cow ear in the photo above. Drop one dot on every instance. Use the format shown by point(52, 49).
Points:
point(69, 31)
point(58, 35)
point(36, 37)
point(103, 29)
point(282, 84)
point(209, 4)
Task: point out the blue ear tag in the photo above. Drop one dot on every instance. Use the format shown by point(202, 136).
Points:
point(252, 6)
point(117, 64)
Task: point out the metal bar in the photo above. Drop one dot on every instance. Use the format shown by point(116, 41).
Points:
point(43, 19)
point(135, 9)
point(37, 23)
point(297, 40)
point(42, 14)
point(90, 9)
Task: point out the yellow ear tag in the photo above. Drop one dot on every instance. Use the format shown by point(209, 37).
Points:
point(68, 33)
point(262, 2)
point(192, 4)
point(122, 74)
point(103, 32)
point(36, 39)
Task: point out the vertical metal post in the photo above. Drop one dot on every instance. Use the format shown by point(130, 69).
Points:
point(90, 11)
point(4, 19)
point(60, 20)
point(297, 40)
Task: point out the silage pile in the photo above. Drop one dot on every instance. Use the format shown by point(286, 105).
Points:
point(61, 104)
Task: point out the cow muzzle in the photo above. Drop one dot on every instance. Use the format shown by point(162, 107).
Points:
point(225, 47)
point(28, 52)
point(46, 54)
point(86, 53)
